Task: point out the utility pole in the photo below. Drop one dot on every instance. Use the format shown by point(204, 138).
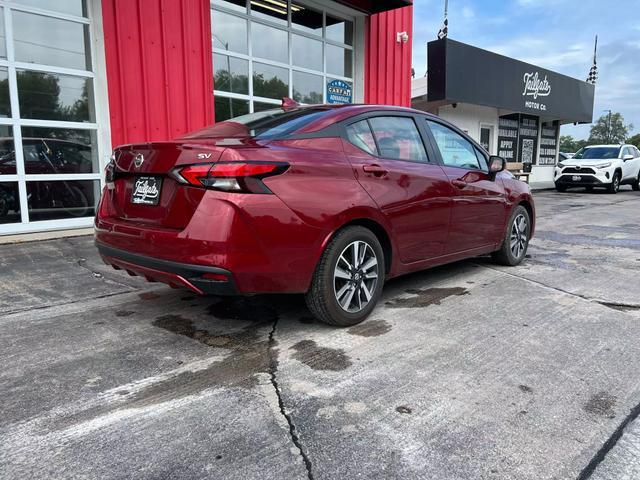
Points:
point(608, 127)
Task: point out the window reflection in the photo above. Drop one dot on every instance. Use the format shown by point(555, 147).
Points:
point(72, 7)
point(231, 74)
point(58, 199)
point(229, 32)
point(226, 108)
point(3, 38)
point(269, 81)
point(9, 202)
point(238, 5)
point(339, 61)
point(262, 106)
point(5, 104)
point(306, 19)
point(339, 30)
point(270, 43)
point(306, 52)
point(307, 88)
point(7, 151)
point(50, 41)
point(51, 96)
point(273, 10)
point(57, 150)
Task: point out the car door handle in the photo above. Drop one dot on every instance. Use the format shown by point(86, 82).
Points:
point(377, 170)
point(459, 183)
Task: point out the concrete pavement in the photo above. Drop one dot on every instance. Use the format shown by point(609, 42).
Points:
point(465, 371)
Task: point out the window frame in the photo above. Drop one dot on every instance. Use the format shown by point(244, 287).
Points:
point(17, 122)
point(291, 30)
point(474, 145)
point(388, 113)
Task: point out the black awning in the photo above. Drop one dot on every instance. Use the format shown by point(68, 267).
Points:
point(460, 73)
point(375, 6)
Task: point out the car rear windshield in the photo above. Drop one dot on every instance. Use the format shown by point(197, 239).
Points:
point(264, 125)
point(597, 153)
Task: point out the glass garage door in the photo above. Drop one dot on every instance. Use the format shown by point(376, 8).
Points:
point(264, 50)
point(49, 168)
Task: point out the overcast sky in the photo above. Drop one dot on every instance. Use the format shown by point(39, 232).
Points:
point(554, 34)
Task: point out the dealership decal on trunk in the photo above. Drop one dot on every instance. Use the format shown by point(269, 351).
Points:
point(146, 191)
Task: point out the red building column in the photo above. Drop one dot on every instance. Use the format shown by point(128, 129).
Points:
point(159, 68)
point(387, 62)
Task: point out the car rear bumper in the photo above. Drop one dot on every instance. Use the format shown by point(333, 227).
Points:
point(175, 274)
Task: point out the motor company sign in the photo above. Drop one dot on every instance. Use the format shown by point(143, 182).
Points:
point(535, 86)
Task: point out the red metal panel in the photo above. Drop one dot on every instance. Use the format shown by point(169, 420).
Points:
point(387, 62)
point(159, 68)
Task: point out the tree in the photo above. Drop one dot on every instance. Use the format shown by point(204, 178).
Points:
point(610, 128)
point(569, 144)
point(635, 140)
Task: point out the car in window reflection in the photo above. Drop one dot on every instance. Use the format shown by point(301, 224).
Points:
point(46, 156)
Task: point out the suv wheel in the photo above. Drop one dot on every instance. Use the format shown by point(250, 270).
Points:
point(636, 185)
point(349, 277)
point(614, 186)
point(561, 188)
point(516, 238)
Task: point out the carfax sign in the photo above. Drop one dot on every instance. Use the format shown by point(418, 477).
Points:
point(339, 92)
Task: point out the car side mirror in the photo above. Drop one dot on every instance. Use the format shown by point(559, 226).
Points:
point(628, 157)
point(496, 165)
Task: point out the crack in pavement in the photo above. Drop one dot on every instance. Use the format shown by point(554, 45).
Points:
point(611, 442)
point(63, 304)
point(273, 368)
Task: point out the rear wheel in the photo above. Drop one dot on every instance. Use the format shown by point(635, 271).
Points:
point(349, 277)
point(614, 186)
point(516, 238)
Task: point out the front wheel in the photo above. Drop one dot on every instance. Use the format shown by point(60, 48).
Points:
point(636, 185)
point(348, 280)
point(614, 186)
point(516, 239)
point(561, 188)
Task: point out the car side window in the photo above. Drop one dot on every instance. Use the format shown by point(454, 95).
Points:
point(456, 151)
point(360, 135)
point(636, 151)
point(398, 138)
point(482, 160)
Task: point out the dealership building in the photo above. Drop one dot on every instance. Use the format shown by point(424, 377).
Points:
point(78, 77)
point(514, 109)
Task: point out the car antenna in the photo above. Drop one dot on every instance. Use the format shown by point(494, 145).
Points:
point(289, 103)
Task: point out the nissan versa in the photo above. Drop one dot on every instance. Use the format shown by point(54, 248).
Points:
point(329, 201)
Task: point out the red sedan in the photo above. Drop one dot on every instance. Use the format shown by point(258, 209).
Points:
point(329, 201)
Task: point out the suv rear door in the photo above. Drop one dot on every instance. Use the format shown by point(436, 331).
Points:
point(390, 160)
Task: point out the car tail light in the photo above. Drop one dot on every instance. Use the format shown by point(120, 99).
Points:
point(241, 177)
point(110, 171)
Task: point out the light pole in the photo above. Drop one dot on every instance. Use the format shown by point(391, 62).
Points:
point(608, 127)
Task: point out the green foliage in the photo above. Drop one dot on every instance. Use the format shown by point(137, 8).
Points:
point(568, 144)
point(635, 140)
point(610, 129)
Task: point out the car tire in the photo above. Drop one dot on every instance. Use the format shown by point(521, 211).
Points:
point(516, 238)
point(614, 186)
point(636, 185)
point(340, 286)
point(561, 188)
point(589, 189)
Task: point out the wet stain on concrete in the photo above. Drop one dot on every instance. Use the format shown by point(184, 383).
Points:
point(372, 328)
point(589, 240)
point(124, 313)
point(602, 404)
point(148, 295)
point(404, 410)
point(239, 308)
point(426, 297)
point(248, 354)
point(320, 358)
point(525, 388)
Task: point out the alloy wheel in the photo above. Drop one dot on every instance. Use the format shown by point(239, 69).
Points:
point(518, 238)
point(355, 276)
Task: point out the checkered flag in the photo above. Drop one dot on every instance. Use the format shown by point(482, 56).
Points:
point(593, 72)
point(444, 30)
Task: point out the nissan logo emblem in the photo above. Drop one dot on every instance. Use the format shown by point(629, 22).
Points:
point(138, 160)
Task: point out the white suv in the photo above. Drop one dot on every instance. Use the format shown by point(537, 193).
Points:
point(606, 166)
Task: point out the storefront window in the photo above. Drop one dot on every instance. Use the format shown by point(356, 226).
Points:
point(49, 159)
point(283, 49)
